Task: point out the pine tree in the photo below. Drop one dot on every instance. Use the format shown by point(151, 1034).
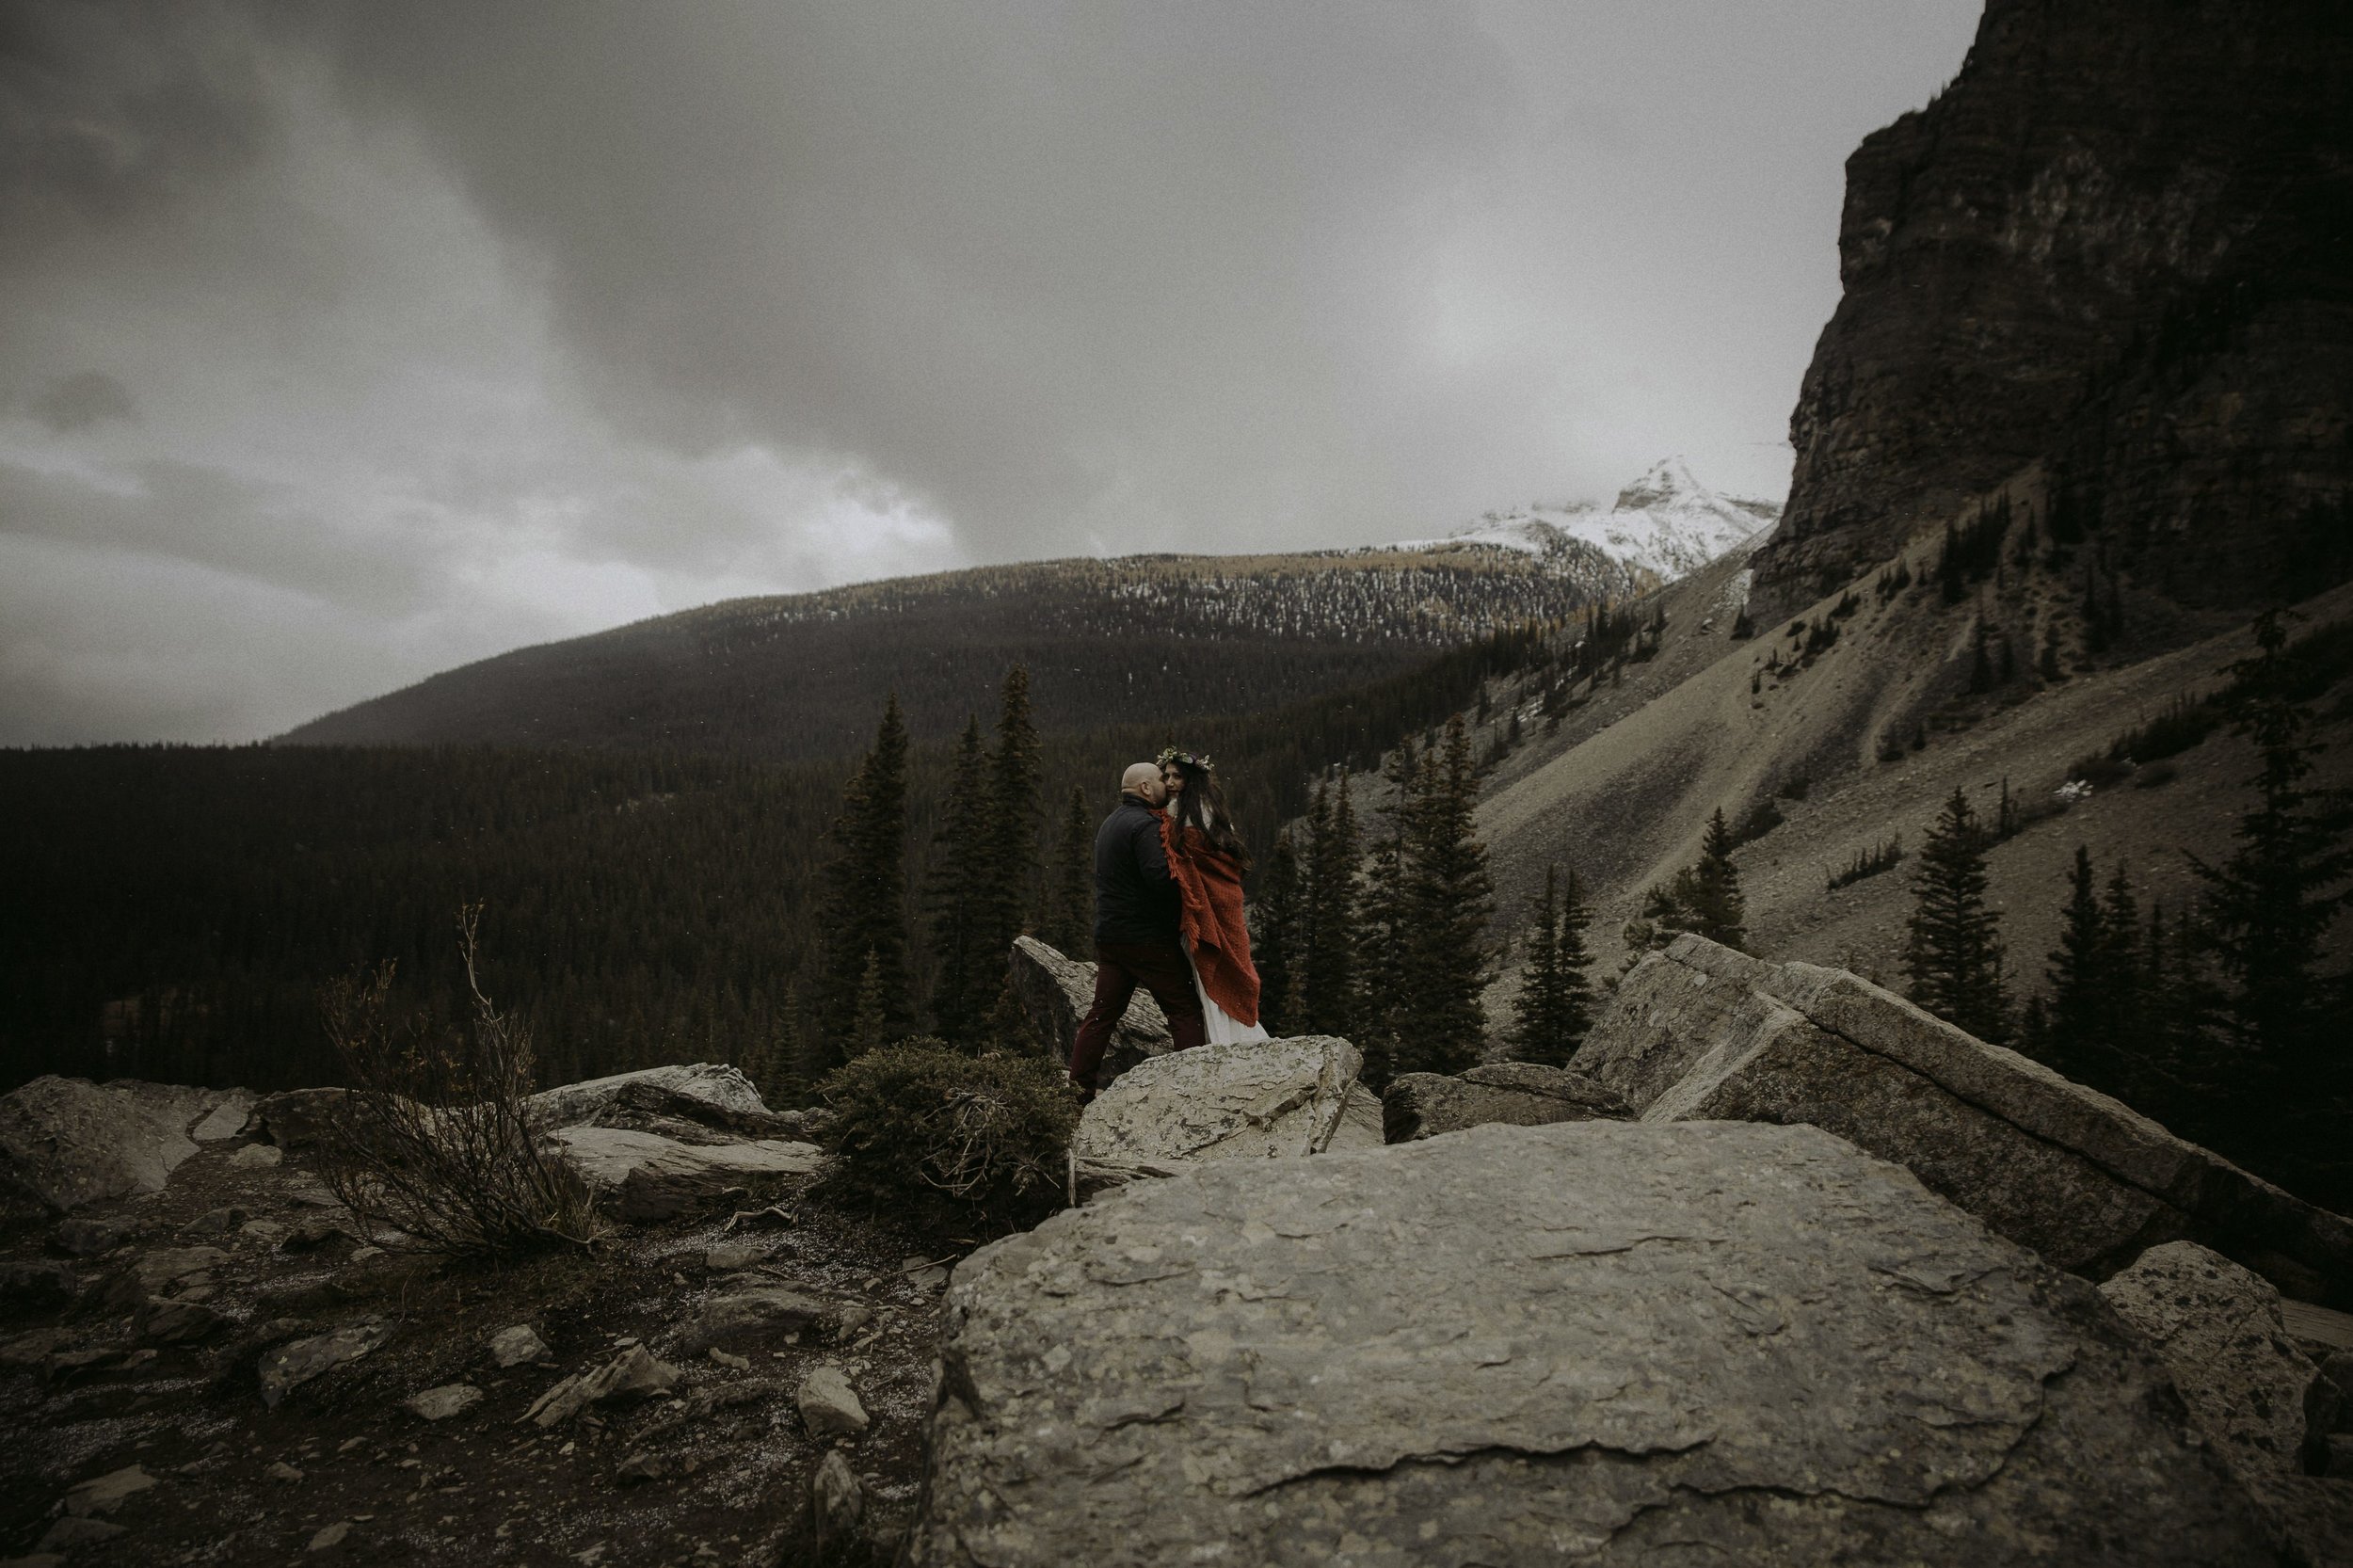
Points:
point(1712, 891)
point(1382, 988)
point(2070, 1030)
point(1704, 898)
point(1556, 1001)
point(1315, 828)
point(865, 893)
point(1327, 969)
point(1449, 896)
point(1576, 917)
point(1954, 955)
point(1006, 1028)
point(870, 1022)
point(1068, 921)
point(962, 981)
point(2121, 1013)
point(1010, 831)
point(2173, 1056)
point(2268, 908)
point(986, 873)
point(1274, 923)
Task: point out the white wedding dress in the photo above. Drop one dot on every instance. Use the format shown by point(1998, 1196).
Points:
point(1222, 1028)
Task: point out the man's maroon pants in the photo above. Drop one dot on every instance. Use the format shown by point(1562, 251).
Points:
point(1119, 968)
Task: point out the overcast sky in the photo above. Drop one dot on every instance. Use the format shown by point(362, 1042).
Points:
point(341, 344)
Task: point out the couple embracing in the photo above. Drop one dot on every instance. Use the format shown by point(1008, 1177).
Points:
point(1168, 914)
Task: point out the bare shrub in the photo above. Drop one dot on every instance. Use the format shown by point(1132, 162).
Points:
point(924, 1128)
point(433, 1139)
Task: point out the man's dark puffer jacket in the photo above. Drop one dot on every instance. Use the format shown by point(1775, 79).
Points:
point(1135, 899)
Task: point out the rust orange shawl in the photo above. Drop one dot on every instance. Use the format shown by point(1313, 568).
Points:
point(1209, 887)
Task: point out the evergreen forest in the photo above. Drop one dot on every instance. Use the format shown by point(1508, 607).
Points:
point(175, 911)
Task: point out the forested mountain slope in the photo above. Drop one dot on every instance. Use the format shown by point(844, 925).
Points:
point(803, 676)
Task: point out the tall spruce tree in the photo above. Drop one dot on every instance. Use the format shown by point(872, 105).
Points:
point(2122, 1015)
point(2267, 908)
point(1384, 988)
point(1704, 898)
point(1327, 966)
point(1068, 921)
point(2173, 1059)
point(1448, 897)
point(1315, 835)
point(865, 891)
point(2068, 1035)
point(962, 983)
point(1007, 873)
point(1555, 1003)
point(1274, 924)
point(1954, 953)
point(1720, 912)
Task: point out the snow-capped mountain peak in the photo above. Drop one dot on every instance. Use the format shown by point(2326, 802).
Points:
point(1665, 524)
point(1665, 482)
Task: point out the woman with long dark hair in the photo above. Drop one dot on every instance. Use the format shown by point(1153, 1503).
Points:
point(1207, 858)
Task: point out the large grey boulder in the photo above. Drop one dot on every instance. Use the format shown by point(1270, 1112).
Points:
point(1269, 1100)
point(2261, 1402)
point(296, 1118)
point(1592, 1342)
point(65, 1143)
point(698, 1103)
point(2216, 1326)
point(1700, 1033)
point(1524, 1094)
point(752, 1317)
point(646, 1178)
point(1056, 992)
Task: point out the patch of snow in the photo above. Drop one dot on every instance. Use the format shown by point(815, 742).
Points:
point(1666, 524)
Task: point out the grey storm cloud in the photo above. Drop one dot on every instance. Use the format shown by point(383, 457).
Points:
point(79, 401)
point(404, 333)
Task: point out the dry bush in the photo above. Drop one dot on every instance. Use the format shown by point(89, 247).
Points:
point(925, 1127)
point(432, 1139)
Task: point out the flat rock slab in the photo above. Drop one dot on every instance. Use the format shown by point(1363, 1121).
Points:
point(290, 1366)
point(1700, 1033)
point(648, 1177)
point(440, 1404)
point(226, 1119)
point(1056, 992)
point(67, 1142)
point(1524, 1094)
point(1592, 1342)
point(1271, 1099)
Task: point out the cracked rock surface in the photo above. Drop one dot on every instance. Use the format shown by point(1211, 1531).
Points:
point(1733, 1342)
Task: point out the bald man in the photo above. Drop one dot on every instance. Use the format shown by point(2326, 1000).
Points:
point(1135, 929)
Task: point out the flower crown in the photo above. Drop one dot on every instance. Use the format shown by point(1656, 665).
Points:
point(1171, 754)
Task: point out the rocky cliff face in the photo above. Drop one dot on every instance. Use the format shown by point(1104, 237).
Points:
point(2113, 259)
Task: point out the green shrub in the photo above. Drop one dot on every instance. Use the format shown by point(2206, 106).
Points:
point(925, 1127)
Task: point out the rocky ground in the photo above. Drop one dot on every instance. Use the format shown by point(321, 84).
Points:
point(140, 1376)
point(1781, 1272)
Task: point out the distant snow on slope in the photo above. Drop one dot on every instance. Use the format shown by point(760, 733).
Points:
point(1666, 524)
